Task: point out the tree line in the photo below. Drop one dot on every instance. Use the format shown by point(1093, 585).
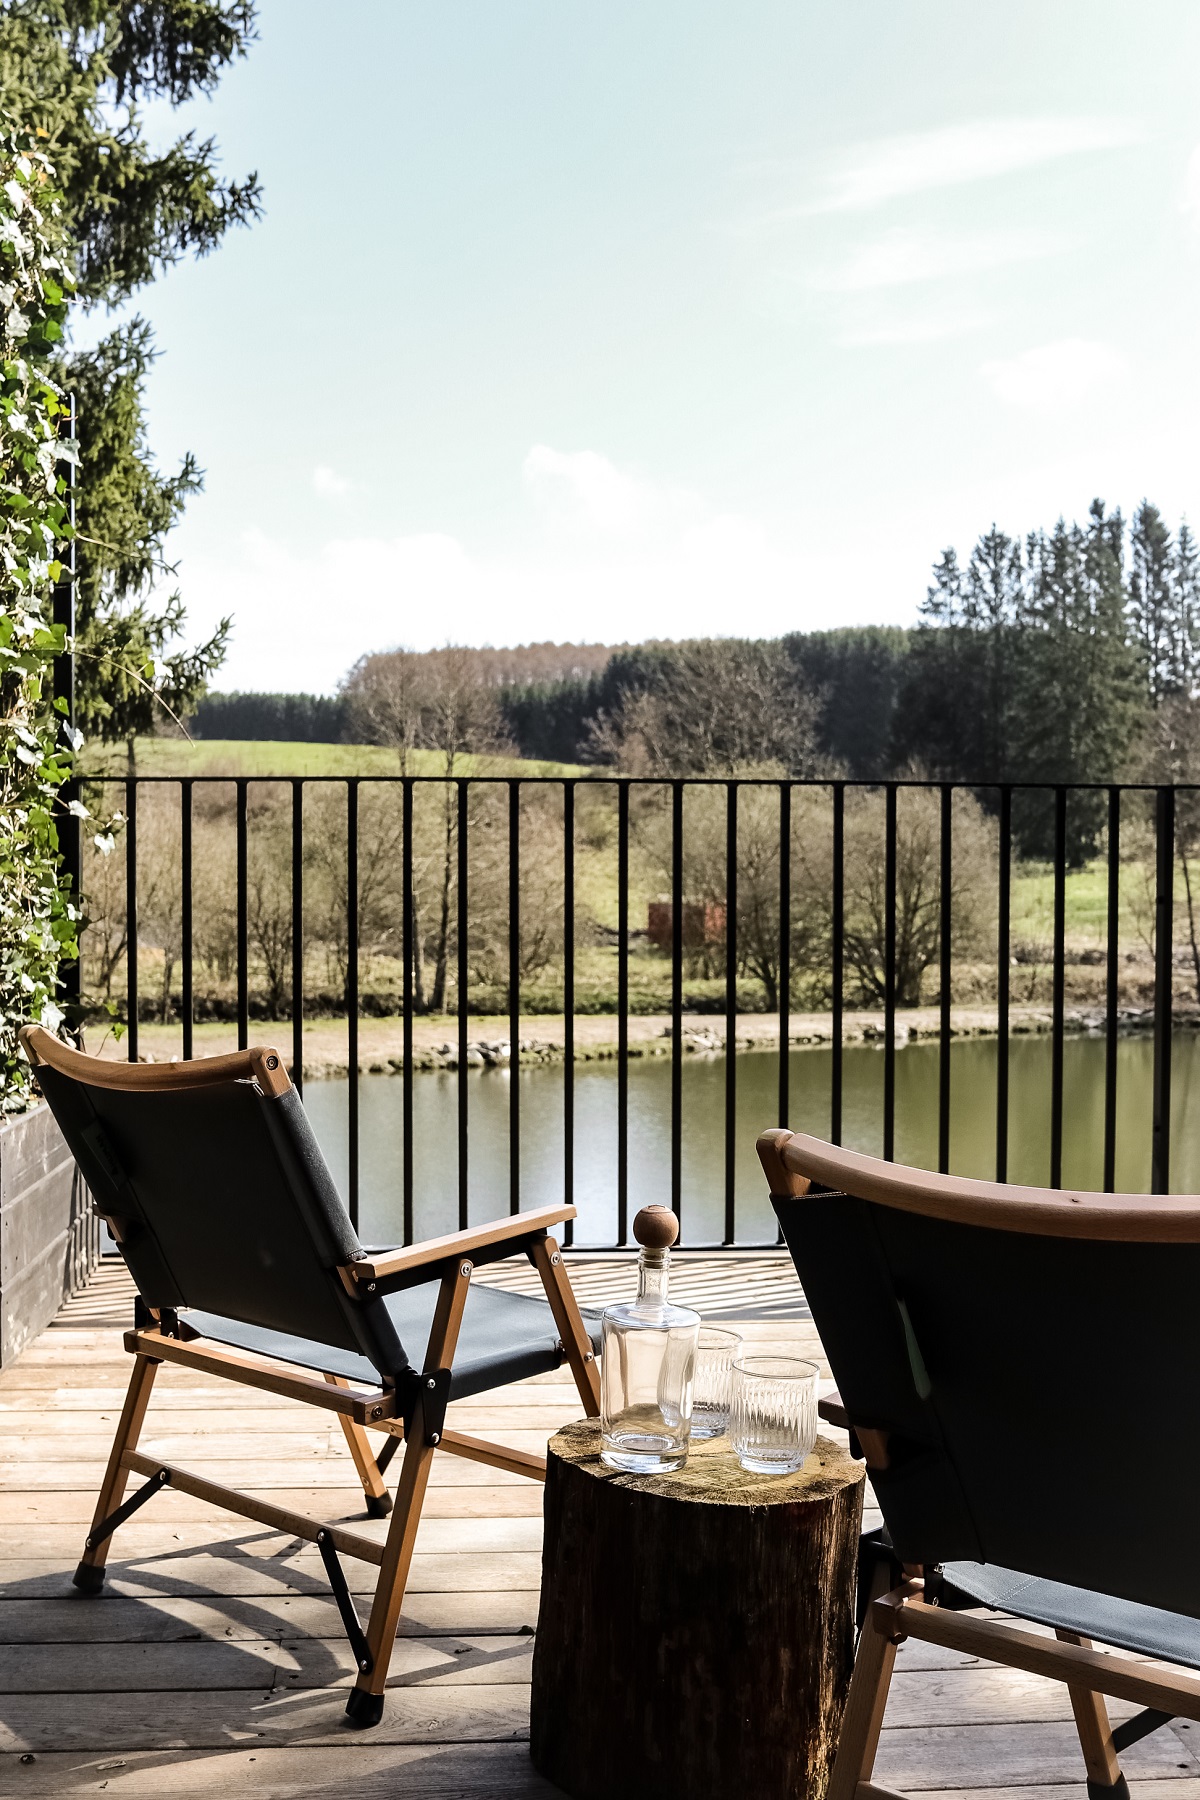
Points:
point(1071, 654)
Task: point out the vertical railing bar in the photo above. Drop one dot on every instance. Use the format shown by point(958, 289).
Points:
point(677, 997)
point(1113, 949)
point(889, 977)
point(298, 934)
point(1003, 965)
point(622, 1012)
point(569, 1007)
point(187, 999)
point(785, 948)
point(1058, 986)
point(463, 996)
point(838, 971)
point(945, 934)
point(731, 1021)
point(243, 929)
point(352, 997)
point(131, 918)
point(1164, 945)
point(409, 936)
point(514, 995)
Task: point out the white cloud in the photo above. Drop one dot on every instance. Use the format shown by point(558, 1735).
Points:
point(603, 553)
point(328, 483)
point(889, 168)
point(587, 484)
point(903, 255)
point(1054, 377)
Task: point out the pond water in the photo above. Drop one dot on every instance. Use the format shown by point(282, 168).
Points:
point(973, 1112)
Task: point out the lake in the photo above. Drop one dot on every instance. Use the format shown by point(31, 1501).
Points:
point(973, 1111)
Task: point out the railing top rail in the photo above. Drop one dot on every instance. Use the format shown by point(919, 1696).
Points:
point(610, 779)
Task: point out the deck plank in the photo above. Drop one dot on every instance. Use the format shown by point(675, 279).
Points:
point(214, 1660)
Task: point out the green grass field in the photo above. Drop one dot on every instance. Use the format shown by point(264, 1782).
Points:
point(222, 756)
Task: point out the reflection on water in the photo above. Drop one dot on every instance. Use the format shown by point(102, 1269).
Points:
point(973, 1136)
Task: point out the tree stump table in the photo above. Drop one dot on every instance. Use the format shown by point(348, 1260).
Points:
point(696, 1630)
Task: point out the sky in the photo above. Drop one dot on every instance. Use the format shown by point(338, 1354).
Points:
point(593, 320)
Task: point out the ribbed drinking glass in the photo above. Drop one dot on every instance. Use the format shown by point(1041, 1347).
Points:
point(713, 1380)
point(773, 1412)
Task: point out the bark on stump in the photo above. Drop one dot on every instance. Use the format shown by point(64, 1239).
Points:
point(696, 1630)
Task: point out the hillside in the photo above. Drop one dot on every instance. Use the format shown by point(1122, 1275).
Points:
point(176, 757)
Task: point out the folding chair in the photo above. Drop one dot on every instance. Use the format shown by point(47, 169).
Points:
point(1019, 1368)
point(247, 1267)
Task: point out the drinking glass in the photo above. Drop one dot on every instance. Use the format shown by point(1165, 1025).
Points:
point(773, 1412)
point(714, 1375)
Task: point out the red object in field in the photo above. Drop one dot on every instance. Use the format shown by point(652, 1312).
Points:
point(703, 923)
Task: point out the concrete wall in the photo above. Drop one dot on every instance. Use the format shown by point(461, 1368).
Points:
point(49, 1235)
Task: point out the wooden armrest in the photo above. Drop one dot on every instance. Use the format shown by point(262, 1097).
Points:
point(383, 1264)
point(833, 1411)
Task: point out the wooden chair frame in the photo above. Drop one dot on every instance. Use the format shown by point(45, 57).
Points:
point(1089, 1674)
point(793, 1162)
point(157, 1338)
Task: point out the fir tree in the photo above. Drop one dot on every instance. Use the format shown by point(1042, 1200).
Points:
point(77, 71)
point(1152, 598)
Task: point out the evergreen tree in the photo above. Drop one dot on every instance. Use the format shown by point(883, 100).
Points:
point(1152, 601)
point(955, 714)
point(1185, 655)
point(78, 71)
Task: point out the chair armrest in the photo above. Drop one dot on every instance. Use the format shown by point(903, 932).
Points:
point(517, 1229)
point(833, 1411)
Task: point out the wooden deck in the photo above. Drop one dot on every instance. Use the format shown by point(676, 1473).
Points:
point(214, 1662)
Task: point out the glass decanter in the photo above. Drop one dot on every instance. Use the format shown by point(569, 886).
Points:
point(648, 1363)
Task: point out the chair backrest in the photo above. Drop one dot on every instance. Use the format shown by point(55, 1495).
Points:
point(1033, 1358)
point(217, 1190)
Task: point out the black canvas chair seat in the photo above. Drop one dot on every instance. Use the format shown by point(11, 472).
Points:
point(503, 1337)
point(1145, 1630)
point(246, 1261)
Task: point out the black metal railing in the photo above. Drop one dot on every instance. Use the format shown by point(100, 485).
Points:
point(1116, 835)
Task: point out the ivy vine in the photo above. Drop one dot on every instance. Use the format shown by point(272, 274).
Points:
point(39, 922)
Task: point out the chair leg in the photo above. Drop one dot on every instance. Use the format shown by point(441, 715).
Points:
point(365, 1705)
point(89, 1575)
point(863, 1718)
point(546, 1258)
point(1104, 1778)
point(379, 1501)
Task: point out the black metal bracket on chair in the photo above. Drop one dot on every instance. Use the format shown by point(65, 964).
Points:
point(432, 1389)
point(106, 1527)
point(389, 1450)
point(351, 1622)
point(1139, 1726)
point(164, 1318)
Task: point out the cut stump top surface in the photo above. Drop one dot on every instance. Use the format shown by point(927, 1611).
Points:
point(712, 1474)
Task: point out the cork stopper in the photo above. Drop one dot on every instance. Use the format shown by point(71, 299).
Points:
point(656, 1228)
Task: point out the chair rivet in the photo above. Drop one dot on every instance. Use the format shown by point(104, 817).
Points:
point(556, 1258)
point(435, 1437)
point(589, 1356)
point(370, 1287)
point(466, 1269)
point(377, 1412)
point(431, 1383)
point(272, 1062)
point(364, 1666)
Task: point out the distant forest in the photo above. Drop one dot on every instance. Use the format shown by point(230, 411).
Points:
point(1071, 654)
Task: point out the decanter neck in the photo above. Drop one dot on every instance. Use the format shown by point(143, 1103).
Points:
point(654, 1271)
